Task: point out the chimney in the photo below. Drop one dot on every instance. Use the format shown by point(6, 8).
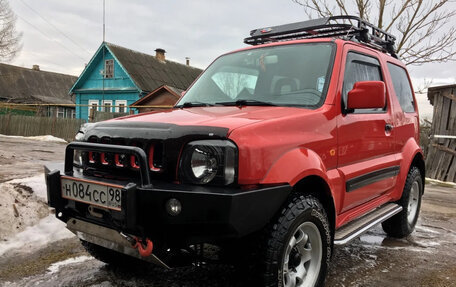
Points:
point(36, 67)
point(187, 61)
point(160, 54)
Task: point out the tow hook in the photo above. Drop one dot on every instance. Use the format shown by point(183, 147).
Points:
point(144, 247)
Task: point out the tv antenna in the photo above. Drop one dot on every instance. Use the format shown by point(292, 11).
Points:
point(104, 25)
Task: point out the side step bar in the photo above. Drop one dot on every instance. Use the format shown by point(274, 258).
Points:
point(359, 226)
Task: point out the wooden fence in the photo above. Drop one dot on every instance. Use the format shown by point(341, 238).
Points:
point(21, 125)
point(97, 116)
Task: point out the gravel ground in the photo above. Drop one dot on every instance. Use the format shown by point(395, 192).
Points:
point(426, 258)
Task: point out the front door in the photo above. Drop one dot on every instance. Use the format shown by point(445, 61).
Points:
point(366, 158)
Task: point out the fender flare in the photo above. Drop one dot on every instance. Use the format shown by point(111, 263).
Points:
point(409, 152)
point(295, 165)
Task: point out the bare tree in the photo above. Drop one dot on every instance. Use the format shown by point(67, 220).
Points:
point(421, 88)
point(424, 28)
point(232, 83)
point(10, 39)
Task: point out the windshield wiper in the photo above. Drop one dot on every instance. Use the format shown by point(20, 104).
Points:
point(193, 104)
point(241, 103)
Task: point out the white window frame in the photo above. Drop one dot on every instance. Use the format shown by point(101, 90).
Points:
point(120, 102)
point(91, 102)
point(107, 102)
point(60, 112)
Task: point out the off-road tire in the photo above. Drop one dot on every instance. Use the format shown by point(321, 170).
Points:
point(300, 210)
point(111, 257)
point(400, 225)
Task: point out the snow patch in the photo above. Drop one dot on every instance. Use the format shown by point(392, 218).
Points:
point(372, 239)
point(46, 138)
point(20, 206)
point(55, 267)
point(439, 182)
point(425, 229)
point(37, 183)
point(48, 229)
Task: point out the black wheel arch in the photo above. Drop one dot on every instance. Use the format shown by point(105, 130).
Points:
point(319, 188)
point(418, 161)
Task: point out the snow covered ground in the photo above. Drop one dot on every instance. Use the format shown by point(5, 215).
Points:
point(46, 138)
point(37, 250)
point(26, 222)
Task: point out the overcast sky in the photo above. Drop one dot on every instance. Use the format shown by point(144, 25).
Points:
point(61, 36)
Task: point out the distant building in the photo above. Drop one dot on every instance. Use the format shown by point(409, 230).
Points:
point(441, 149)
point(116, 77)
point(162, 98)
point(47, 91)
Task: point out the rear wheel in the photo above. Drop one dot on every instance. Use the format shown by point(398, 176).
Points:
point(403, 223)
point(299, 245)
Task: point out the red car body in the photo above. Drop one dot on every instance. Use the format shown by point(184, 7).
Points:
point(337, 155)
point(287, 144)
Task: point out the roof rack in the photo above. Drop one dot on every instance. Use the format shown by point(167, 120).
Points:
point(347, 27)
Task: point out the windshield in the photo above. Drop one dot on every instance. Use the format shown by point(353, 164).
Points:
point(288, 75)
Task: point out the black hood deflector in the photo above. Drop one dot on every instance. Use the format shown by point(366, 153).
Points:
point(172, 137)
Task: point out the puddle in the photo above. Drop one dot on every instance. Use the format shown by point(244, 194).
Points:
point(423, 237)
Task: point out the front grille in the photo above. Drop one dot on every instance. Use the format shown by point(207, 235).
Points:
point(122, 165)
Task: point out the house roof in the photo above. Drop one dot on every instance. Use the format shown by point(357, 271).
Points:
point(172, 90)
point(432, 91)
point(23, 85)
point(149, 73)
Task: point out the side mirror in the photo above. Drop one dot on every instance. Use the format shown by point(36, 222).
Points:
point(367, 95)
point(183, 93)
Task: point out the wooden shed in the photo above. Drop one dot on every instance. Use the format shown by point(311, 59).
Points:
point(162, 98)
point(441, 157)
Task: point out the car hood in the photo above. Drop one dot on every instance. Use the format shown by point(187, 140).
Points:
point(231, 117)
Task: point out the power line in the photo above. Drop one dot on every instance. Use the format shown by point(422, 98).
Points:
point(53, 26)
point(44, 34)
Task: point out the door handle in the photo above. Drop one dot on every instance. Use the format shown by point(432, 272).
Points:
point(388, 127)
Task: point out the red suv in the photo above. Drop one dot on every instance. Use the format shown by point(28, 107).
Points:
point(304, 140)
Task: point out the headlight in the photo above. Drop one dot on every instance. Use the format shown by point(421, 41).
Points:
point(79, 136)
point(77, 158)
point(79, 155)
point(209, 161)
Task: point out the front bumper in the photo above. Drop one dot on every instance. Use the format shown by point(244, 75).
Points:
point(209, 214)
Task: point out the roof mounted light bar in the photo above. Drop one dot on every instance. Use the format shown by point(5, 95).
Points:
point(347, 27)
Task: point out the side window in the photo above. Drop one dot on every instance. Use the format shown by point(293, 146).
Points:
point(107, 104)
point(402, 87)
point(121, 106)
point(360, 68)
point(93, 104)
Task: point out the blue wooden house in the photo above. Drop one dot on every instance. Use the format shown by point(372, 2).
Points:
point(116, 77)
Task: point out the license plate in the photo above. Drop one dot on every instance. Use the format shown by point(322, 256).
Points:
point(92, 192)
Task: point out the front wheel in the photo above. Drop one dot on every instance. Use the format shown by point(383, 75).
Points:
point(403, 223)
point(299, 245)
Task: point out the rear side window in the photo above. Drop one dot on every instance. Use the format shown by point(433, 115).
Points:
point(402, 87)
point(360, 68)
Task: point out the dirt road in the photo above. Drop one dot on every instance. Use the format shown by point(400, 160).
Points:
point(426, 258)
